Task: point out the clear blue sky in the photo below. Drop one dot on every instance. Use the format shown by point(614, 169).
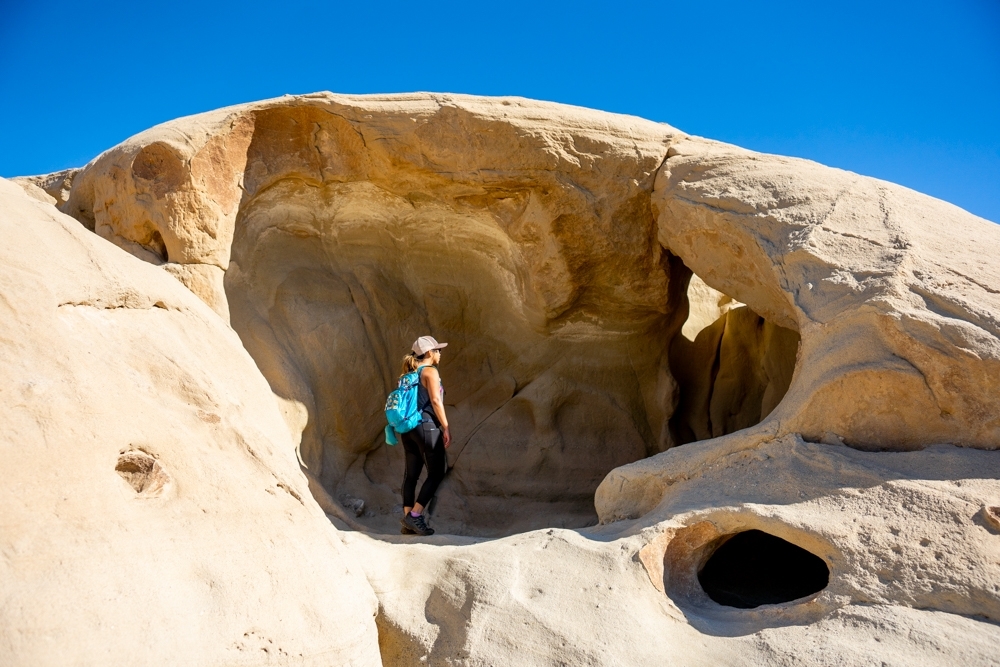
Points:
point(905, 91)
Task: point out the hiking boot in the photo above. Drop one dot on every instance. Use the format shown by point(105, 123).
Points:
point(416, 524)
point(403, 528)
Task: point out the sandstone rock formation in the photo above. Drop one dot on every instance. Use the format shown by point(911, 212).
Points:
point(332, 231)
point(151, 509)
point(898, 311)
point(913, 569)
point(676, 339)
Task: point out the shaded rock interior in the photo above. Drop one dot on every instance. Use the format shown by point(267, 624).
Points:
point(142, 472)
point(540, 413)
point(753, 568)
point(561, 310)
point(328, 303)
point(732, 366)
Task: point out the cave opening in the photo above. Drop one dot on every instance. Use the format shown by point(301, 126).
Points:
point(731, 365)
point(540, 418)
point(578, 342)
point(560, 368)
point(754, 568)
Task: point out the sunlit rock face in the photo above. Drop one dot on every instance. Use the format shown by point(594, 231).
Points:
point(659, 346)
point(895, 301)
point(856, 554)
point(151, 508)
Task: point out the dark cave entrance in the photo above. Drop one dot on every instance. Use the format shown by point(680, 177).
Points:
point(755, 568)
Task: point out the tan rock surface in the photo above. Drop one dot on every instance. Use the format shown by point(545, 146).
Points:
point(731, 376)
point(56, 185)
point(151, 510)
point(553, 247)
point(206, 281)
point(705, 307)
point(913, 569)
point(897, 306)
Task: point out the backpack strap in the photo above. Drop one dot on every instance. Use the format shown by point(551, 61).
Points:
point(419, 373)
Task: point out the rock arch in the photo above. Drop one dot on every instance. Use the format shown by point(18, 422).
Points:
point(869, 274)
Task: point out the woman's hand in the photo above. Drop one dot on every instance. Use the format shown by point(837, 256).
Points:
point(447, 437)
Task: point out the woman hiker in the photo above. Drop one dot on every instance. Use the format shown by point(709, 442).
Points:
point(425, 444)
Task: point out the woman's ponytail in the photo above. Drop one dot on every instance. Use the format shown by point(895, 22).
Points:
point(410, 363)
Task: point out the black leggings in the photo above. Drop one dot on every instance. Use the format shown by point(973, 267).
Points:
point(423, 445)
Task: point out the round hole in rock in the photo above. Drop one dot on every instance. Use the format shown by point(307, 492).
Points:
point(142, 472)
point(753, 568)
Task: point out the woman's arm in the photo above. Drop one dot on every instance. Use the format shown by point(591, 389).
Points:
point(432, 382)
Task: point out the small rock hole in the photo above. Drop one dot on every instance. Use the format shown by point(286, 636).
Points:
point(157, 246)
point(753, 568)
point(143, 472)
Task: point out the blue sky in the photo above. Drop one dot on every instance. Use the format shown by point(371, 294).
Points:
point(904, 91)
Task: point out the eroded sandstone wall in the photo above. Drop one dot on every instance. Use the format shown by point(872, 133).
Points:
point(897, 305)
point(529, 250)
point(151, 508)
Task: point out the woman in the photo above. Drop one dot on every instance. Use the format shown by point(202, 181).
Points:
point(425, 444)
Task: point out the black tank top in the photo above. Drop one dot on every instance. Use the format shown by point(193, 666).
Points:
point(424, 404)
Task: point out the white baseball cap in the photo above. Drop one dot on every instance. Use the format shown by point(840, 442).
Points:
point(425, 344)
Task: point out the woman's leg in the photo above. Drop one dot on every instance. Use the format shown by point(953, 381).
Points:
point(414, 464)
point(437, 461)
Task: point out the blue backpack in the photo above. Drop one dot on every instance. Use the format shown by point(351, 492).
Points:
point(401, 407)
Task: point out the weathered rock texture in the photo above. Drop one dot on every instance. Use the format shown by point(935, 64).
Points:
point(897, 307)
point(914, 569)
point(529, 248)
point(151, 510)
point(732, 375)
point(611, 289)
